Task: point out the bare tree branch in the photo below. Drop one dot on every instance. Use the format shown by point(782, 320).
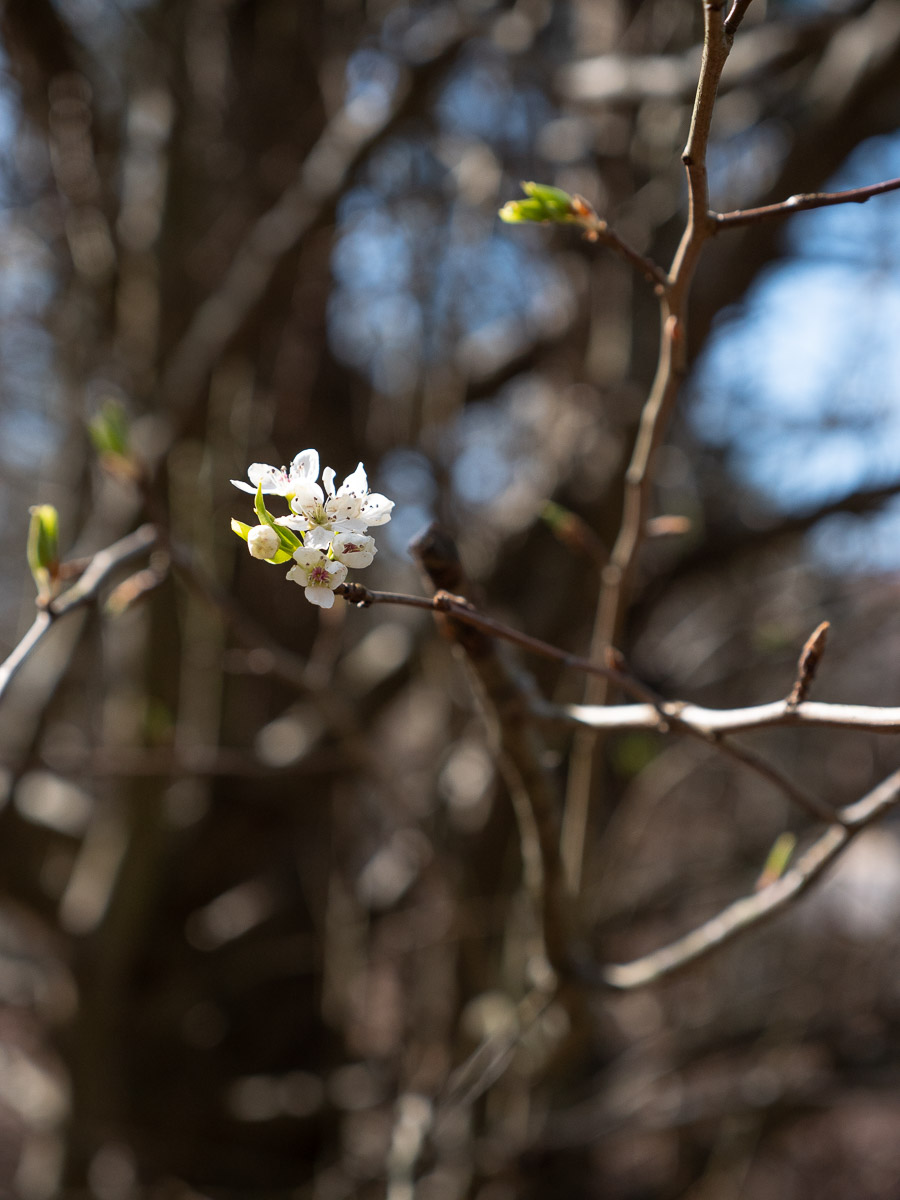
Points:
point(800, 203)
point(82, 593)
point(507, 701)
point(811, 805)
point(618, 573)
point(859, 717)
point(750, 911)
point(613, 670)
point(597, 230)
point(736, 15)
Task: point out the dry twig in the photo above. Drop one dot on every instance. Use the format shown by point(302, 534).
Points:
point(750, 911)
point(800, 203)
point(80, 594)
point(619, 573)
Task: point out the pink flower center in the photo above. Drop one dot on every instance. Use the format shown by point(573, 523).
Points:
point(319, 576)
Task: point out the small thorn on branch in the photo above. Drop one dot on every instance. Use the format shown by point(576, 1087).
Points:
point(808, 664)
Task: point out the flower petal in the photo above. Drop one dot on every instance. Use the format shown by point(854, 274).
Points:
point(344, 508)
point(356, 484)
point(377, 509)
point(307, 558)
point(307, 495)
point(274, 480)
point(322, 596)
point(318, 538)
point(354, 550)
point(337, 571)
point(305, 466)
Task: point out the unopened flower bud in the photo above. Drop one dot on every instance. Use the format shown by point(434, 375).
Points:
point(263, 542)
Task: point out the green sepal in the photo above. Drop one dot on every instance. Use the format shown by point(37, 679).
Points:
point(43, 549)
point(240, 529)
point(259, 504)
point(288, 539)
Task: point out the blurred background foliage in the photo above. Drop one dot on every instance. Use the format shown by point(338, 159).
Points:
point(259, 881)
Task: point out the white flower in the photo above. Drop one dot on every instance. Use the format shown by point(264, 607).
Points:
point(320, 514)
point(263, 542)
point(278, 481)
point(318, 575)
point(361, 506)
point(353, 549)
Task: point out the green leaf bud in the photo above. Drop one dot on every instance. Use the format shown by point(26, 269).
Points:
point(544, 203)
point(43, 550)
point(109, 431)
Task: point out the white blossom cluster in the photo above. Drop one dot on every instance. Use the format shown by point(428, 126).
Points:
point(324, 534)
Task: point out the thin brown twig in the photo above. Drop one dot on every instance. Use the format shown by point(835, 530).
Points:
point(799, 203)
point(598, 230)
point(750, 911)
point(735, 16)
point(618, 575)
point(657, 713)
point(507, 703)
point(666, 714)
point(645, 266)
point(669, 715)
point(671, 720)
point(811, 805)
point(461, 610)
point(82, 593)
point(672, 355)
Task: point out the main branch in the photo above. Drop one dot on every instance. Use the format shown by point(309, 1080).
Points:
point(618, 575)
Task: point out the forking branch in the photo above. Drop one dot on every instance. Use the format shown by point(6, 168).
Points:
point(702, 224)
point(596, 715)
point(83, 592)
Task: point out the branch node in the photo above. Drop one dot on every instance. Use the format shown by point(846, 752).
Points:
point(356, 594)
point(446, 602)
